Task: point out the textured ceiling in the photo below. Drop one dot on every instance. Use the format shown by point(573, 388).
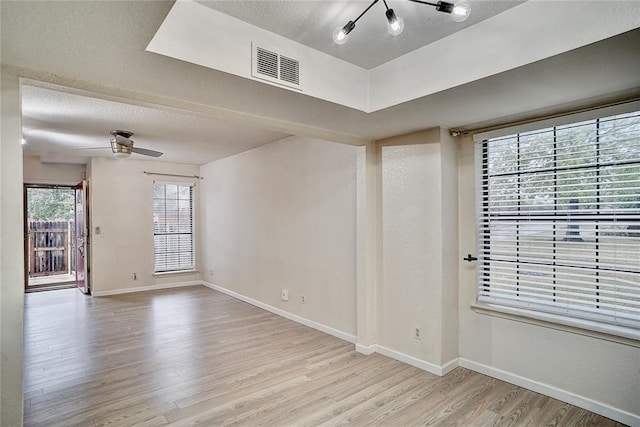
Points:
point(100, 47)
point(312, 23)
point(69, 127)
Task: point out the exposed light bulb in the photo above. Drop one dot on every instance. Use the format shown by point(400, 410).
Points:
point(341, 34)
point(461, 11)
point(395, 23)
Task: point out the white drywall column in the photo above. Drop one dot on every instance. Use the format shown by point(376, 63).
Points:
point(367, 248)
point(11, 249)
point(419, 247)
point(450, 244)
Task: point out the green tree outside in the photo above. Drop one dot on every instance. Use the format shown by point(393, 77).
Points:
point(50, 204)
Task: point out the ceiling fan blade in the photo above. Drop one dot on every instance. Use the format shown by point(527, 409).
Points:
point(89, 148)
point(123, 141)
point(146, 152)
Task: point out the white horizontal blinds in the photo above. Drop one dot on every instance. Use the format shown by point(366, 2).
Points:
point(559, 220)
point(173, 239)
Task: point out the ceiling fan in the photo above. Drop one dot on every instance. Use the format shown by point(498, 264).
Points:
point(122, 145)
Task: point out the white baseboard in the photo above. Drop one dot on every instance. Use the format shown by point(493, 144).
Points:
point(145, 288)
point(302, 320)
point(450, 366)
point(418, 363)
point(548, 390)
point(366, 349)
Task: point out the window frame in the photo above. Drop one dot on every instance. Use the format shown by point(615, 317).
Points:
point(617, 333)
point(180, 268)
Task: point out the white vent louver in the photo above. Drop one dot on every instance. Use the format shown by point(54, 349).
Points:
point(267, 63)
point(276, 68)
point(289, 70)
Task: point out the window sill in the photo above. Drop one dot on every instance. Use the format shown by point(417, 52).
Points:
point(617, 334)
point(175, 273)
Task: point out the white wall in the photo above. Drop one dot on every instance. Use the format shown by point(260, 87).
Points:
point(283, 216)
point(12, 252)
point(121, 198)
point(36, 172)
point(450, 244)
point(603, 375)
point(419, 235)
point(322, 76)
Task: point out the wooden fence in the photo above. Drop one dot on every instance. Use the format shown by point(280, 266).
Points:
point(51, 247)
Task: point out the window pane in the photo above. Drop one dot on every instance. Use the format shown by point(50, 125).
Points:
point(173, 230)
point(535, 150)
point(172, 191)
point(576, 144)
point(184, 192)
point(158, 191)
point(559, 220)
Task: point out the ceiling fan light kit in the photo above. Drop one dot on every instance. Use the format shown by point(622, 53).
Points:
point(120, 151)
point(122, 145)
point(459, 11)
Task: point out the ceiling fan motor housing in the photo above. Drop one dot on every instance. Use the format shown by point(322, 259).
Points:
point(120, 150)
point(122, 145)
point(124, 133)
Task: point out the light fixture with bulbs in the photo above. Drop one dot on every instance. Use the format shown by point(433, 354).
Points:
point(120, 151)
point(459, 12)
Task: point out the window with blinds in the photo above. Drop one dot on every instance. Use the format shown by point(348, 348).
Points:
point(559, 220)
point(173, 239)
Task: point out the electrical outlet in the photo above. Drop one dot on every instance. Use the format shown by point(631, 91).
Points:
point(417, 332)
point(135, 276)
point(211, 272)
point(303, 299)
point(284, 295)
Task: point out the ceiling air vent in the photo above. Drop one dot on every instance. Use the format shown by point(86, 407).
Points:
point(289, 70)
point(267, 63)
point(275, 68)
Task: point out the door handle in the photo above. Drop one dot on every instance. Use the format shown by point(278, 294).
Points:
point(470, 258)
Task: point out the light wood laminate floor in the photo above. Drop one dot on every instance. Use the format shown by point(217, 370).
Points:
point(194, 356)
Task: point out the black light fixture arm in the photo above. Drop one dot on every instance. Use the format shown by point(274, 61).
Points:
point(459, 12)
point(365, 11)
point(441, 6)
point(349, 26)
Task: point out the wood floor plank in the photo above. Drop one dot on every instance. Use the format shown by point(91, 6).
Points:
point(193, 356)
point(362, 411)
point(521, 410)
point(475, 405)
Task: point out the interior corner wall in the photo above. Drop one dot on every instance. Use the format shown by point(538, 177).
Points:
point(419, 281)
point(601, 375)
point(12, 251)
point(121, 206)
point(36, 172)
point(451, 255)
point(283, 216)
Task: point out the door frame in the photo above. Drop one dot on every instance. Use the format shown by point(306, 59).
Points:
point(25, 228)
point(83, 188)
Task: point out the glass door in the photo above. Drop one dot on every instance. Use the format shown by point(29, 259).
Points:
point(82, 238)
point(49, 237)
